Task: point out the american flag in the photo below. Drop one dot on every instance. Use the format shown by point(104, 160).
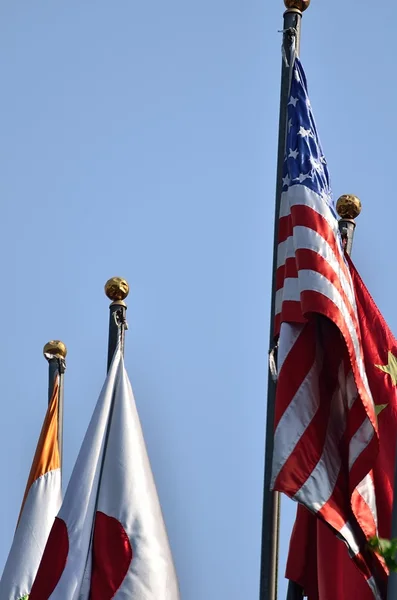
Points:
point(326, 440)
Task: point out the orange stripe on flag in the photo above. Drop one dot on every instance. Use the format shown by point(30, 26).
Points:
point(46, 457)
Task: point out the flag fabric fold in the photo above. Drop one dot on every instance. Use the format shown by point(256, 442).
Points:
point(317, 560)
point(41, 503)
point(326, 439)
point(109, 539)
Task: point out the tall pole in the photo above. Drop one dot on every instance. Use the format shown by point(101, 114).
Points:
point(117, 290)
point(55, 352)
point(271, 500)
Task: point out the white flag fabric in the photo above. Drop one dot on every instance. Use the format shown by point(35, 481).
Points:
point(40, 506)
point(109, 539)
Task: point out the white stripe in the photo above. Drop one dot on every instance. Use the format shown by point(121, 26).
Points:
point(375, 590)
point(351, 389)
point(320, 485)
point(366, 490)
point(360, 441)
point(41, 507)
point(296, 419)
point(289, 334)
point(347, 533)
point(290, 291)
point(285, 250)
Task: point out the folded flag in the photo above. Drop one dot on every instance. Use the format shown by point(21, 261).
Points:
point(40, 506)
point(109, 539)
point(317, 560)
point(326, 438)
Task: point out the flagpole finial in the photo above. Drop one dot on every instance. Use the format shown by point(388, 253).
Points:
point(55, 349)
point(300, 5)
point(117, 289)
point(348, 206)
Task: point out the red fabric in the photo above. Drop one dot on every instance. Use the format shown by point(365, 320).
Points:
point(53, 562)
point(111, 557)
point(317, 560)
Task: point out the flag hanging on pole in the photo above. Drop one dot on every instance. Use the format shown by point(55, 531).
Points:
point(109, 539)
point(326, 433)
point(41, 503)
point(317, 560)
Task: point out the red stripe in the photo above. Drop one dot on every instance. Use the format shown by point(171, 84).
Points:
point(284, 228)
point(302, 353)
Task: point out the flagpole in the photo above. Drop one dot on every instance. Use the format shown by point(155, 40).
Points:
point(271, 500)
point(117, 290)
point(55, 353)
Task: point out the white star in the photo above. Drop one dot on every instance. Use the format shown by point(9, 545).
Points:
point(297, 77)
point(289, 125)
point(286, 180)
point(304, 132)
point(302, 177)
point(293, 154)
point(317, 166)
point(293, 101)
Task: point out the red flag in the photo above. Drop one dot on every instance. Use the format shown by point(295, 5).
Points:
point(318, 561)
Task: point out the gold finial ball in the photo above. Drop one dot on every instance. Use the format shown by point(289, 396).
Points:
point(56, 348)
point(301, 5)
point(348, 206)
point(117, 289)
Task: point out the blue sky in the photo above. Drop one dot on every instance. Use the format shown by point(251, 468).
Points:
point(139, 139)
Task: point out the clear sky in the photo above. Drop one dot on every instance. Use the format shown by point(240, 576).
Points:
point(139, 139)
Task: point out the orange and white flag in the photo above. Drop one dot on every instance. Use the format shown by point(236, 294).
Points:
point(41, 503)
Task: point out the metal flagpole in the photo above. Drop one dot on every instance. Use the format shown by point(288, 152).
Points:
point(117, 290)
point(55, 352)
point(271, 500)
